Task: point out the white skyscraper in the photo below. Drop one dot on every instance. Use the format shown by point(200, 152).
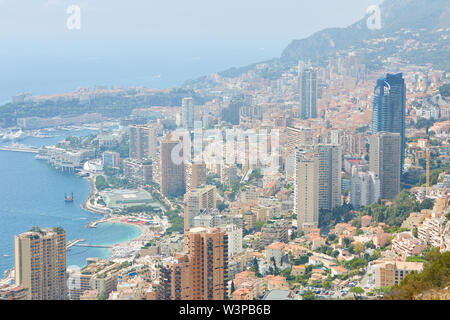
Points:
point(306, 190)
point(364, 189)
point(330, 164)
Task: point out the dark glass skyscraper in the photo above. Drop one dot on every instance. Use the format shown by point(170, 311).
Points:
point(389, 108)
point(308, 93)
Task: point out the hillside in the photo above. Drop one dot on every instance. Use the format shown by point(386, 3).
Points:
point(414, 31)
point(396, 15)
point(431, 283)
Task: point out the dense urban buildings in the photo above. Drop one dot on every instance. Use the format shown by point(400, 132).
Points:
point(197, 200)
point(277, 180)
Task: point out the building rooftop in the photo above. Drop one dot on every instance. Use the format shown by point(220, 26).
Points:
point(278, 295)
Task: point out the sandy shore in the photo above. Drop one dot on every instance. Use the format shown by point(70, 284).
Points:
point(143, 238)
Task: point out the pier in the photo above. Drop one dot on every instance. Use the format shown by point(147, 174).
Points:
point(19, 149)
point(93, 224)
point(72, 243)
point(76, 243)
point(92, 246)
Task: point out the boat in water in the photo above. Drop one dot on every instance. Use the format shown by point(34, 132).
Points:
point(12, 136)
point(68, 198)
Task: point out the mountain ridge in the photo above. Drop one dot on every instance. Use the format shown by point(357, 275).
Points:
point(397, 16)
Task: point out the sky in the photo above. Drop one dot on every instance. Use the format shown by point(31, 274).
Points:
point(179, 18)
point(157, 44)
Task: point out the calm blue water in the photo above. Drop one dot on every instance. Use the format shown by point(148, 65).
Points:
point(32, 193)
point(45, 65)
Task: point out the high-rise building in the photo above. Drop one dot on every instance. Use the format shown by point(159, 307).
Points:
point(231, 113)
point(306, 190)
point(40, 263)
point(389, 108)
point(364, 189)
point(111, 159)
point(202, 272)
point(172, 170)
point(198, 199)
point(208, 257)
point(330, 164)
point(195, 175)
point(187, 113)
point(234, 233)
point(142, 141)
point(295, 137)
point(384, 161)
point(175, 278)
point(308, 93)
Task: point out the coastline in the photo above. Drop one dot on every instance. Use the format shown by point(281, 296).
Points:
point(107, 217)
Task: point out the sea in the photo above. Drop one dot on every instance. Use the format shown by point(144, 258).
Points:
point(32, 194)
point(46, 65)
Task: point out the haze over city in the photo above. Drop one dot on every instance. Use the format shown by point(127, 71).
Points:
point(245, 151)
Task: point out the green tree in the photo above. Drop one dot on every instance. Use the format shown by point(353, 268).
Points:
point(309, 295)
point(100, 183)
point(102, 296)
point(357, 292)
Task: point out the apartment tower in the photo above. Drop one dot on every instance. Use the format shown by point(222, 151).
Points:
point(330, 164)
point(384, 161)
point(142, 142)
point(306, 190)
point(172, 167)
point(208, 256)
point(40, 263)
